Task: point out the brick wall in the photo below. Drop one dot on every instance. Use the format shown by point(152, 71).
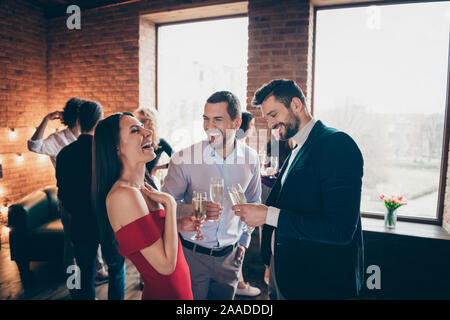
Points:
point(23, 97)
point(278, 45)
point(98, 62)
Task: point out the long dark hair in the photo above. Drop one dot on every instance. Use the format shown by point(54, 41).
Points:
point(106, 168)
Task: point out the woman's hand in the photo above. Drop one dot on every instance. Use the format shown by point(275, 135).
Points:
point(155, 196)
point(189, 223)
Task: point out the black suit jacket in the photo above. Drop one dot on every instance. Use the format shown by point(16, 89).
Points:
point(318, 249)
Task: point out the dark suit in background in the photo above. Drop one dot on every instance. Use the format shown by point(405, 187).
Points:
point(318, 250)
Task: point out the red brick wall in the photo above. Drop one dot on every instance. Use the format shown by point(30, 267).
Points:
point(23, 96)
point(278, 45)
point(98, 62)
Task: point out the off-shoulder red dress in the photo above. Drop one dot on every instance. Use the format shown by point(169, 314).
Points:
point(141, 234)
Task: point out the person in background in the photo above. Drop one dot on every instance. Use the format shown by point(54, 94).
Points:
point(58, 140)
point(141, 220)
point(215, 260)
point(51, 147)
point(74, 180)
point(247, 129)
point(149, 118)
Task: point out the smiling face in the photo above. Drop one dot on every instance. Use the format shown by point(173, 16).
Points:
point(135, 142)
point(218, 125)
point(281, 118)
point(140, 116)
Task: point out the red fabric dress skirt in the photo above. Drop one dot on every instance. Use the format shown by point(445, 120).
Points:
point(141, 234)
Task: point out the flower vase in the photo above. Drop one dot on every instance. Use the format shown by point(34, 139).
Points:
point(390, 219)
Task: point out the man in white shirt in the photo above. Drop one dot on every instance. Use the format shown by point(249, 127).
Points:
point(58, 140)
point(314, 206)
point(51, 147)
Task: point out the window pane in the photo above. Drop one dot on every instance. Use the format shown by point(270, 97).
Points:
point(381, 76)
point(195, 60)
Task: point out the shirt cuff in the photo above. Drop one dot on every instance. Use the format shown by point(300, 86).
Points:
point(272, 216)
point(245, 239)
point(34, 145)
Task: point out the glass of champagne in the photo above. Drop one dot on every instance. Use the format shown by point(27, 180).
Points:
point(199, 211)
point(262, 161)
point(237, 196)
point(216, 189)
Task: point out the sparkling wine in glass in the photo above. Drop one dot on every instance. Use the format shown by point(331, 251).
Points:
point(237, 196)
point(216, 189)
point(274, 165)
point(262, 161)
point(199, 211)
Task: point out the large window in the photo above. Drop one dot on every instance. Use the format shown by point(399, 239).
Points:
point(381, 76)
point(195, 60)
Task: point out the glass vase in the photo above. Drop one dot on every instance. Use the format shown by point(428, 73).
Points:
point(390, 219)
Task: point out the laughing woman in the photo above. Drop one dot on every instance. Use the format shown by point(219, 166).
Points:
point(141, 219)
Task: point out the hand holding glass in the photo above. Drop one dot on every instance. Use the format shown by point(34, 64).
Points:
point(216, 189)
point(237, 196)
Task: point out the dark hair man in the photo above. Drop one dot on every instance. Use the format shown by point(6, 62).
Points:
point(74, 180)
point(58, 140)
point(314, 206)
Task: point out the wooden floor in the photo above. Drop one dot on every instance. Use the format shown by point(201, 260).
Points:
point(49, 279)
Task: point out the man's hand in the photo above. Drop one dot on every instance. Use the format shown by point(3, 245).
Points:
point(241, 252)
point(189, 223)
point(253, 215)
point(213, 210)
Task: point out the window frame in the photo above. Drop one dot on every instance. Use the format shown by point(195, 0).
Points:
point(163, 24)
point(438, 220)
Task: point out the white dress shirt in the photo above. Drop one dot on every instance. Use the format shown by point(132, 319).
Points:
point(53, 144)
point(300, 138)
point(192, 169)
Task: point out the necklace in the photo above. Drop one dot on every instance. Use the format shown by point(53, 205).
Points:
point(135, 185)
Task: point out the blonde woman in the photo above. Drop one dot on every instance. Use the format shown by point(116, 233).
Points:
point(148, 117)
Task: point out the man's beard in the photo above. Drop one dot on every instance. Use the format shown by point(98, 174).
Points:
point(291, 126)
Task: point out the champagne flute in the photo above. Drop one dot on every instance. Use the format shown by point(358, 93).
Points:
point(274, 165)
point(262, 161)
point(216, 189)
point(199, 211)
point(237, 196)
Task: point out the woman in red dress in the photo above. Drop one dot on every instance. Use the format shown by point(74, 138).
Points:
point(141, 219)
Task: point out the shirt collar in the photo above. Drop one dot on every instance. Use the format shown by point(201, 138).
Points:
point(301, 136)
point(211, 156)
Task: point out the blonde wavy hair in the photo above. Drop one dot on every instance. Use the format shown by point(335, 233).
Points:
point(151, 116)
